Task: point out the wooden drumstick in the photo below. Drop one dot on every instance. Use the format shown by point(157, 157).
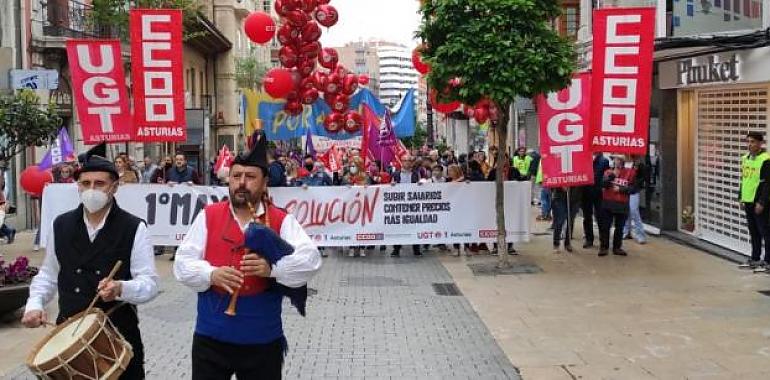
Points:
point(96, 297)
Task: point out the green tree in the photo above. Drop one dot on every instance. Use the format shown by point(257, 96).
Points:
point(112, 15)
point(249, 72)
point(500, 49)
point(24, 123)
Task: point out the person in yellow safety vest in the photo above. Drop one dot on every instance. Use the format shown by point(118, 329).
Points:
point(522, 161)
point(754, 195)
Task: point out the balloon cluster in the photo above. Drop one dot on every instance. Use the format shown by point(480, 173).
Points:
point(299, 80)
point(483, 111)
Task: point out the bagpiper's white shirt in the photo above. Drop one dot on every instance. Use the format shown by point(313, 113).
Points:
point(294, 270)
point(142, 288)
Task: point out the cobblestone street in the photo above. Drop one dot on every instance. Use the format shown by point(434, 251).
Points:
point(373, 317)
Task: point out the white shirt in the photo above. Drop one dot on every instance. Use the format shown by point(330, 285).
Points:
point(142, 288)
point(294, 271)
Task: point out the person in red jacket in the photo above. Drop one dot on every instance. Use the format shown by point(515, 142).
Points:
point(617, 185)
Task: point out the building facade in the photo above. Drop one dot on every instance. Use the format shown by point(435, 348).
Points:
point(397, 74)
point(361, 58)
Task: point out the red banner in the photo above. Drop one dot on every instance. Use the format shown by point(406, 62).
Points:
point(332, 159)
point(156, 57)
point(565, 138)
point(622, 79)
point(99, 87)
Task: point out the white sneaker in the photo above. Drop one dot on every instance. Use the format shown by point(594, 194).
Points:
point(363, 253)
point(351, 253)
point(35, 247)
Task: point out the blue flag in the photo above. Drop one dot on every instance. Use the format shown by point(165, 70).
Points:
point(280, 126)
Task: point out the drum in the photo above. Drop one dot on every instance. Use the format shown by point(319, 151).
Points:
point(95, 351)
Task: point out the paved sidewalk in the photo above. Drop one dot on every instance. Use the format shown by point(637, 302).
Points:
point(372, 318)
point(664, 312)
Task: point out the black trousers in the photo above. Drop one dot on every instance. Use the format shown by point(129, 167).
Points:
point(607, 220)
point(560, 220)
point(759, 230)
point(590, 203)
point(215, 360)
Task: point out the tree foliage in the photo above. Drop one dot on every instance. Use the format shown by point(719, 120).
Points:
point(25, 123)
point(499, 49)
point(113, 14)
point(249, 72)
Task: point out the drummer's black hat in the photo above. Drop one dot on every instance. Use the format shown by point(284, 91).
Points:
point(95, 160)
point(756, 136)
point(257, 156)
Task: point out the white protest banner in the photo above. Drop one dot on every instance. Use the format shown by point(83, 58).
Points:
point(333, 216)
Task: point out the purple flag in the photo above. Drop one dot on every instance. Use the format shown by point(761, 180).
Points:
point(381, 138)
point(61, 151)
point(309, 148)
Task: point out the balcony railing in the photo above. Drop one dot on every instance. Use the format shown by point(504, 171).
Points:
point(70, 18)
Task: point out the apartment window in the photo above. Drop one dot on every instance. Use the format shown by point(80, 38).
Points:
point(693, 17)
point(266, 6)
point(569, 22)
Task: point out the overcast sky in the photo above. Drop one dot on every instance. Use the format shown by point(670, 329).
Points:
point(389, 20)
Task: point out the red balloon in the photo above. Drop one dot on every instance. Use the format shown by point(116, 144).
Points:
point(320, 79)
point(363, 79)
point(333, 84)
point(309, 5)
point(293, 108)
point(328, 58)
point(350, 84)
point(297, 18)
point(327, 15)
point(421, 67)
point(296, 79)
point(469, 111)
point(341, 71)
point(259, 27)
point(278, 82)
point(283, 7)
point(306, 67)
point(334, 122)
point(481, 115)
point(353, 122)
point(288, 57)
point(341, 103)
point(307, 84)
point(311, 48)
point(442, 107)
point(33, 180)
point(309, 96)
point(287, 35)
point(311, 32)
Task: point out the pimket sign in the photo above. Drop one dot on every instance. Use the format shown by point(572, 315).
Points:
point(713, 71)
point(734, 67)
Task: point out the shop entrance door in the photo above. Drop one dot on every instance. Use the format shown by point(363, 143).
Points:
point(724, 118)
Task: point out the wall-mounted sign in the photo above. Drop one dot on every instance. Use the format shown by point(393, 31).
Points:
point(34, 79)
point(743, 66)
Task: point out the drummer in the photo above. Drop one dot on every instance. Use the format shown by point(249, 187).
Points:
point(250, 344)
point(83, 247)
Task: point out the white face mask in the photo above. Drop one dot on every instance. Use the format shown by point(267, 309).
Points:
point(353, 170)
point(94, 200)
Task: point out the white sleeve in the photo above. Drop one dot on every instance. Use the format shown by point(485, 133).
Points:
point(298, 268)
point(45, 284)
point(189, 266)
point(143, 285)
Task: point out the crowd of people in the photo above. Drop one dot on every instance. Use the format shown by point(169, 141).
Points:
point(612, 199)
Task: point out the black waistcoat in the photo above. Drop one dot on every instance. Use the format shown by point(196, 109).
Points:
point(83, 263)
